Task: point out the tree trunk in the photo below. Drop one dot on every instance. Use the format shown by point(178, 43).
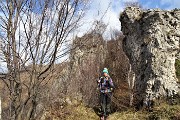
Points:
point(0, 108)
point(131, 80)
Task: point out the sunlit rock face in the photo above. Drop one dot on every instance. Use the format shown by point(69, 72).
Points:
point(152, 45)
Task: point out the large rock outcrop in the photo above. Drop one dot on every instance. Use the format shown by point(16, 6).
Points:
point(151, 43)
point(90, 55)
point(86, 62)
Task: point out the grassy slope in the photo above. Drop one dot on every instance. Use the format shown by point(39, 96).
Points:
point(163, 112)
point(80, 112)
point(71, 112)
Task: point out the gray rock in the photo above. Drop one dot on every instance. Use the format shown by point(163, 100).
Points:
point(86, 60)
point(152, 44)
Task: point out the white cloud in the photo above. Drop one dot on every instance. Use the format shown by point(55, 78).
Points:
point(112, 19)
point(111, 9)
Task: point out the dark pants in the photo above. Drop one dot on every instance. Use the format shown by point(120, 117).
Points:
point(105, 100)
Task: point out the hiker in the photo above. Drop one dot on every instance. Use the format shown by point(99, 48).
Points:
point(106, 87)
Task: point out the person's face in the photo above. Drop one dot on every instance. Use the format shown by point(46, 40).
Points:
point(105, 74)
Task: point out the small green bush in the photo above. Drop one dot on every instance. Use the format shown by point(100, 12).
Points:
point(177, 67)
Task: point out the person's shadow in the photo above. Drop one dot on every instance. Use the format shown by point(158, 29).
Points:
point(97, 110)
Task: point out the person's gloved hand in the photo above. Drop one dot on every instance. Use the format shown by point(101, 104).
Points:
point(111, 89)
point(98, 81)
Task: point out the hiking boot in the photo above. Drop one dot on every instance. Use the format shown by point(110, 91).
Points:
point(102, 118)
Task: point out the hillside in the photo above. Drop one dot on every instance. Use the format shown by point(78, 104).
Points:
point(143, 62)
point(78, 111)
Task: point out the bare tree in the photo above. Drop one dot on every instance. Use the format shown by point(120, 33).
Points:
point(115, 34)
point(99, 27)
point(131, 79)
point(0, 108)
point(33, 33)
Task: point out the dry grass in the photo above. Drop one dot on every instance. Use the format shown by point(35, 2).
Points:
point(70, 112)
point(162, 112)
point(81, 112)
point(128, 115)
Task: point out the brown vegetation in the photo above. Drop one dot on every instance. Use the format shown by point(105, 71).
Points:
point(33, 33)
point(118, 65)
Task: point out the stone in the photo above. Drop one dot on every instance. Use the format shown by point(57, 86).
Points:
point(86, 61)
point(152, 44)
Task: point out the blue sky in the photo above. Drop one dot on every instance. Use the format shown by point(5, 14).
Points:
point(111, 18)
point(162, 4)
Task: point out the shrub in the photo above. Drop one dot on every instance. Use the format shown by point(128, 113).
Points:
point(177, 67)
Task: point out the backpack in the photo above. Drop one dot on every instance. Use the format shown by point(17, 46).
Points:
point(105, 84)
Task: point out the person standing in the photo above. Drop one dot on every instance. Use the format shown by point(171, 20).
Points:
point(106, 87)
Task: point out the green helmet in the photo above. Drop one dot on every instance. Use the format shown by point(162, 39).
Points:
point(105, 71)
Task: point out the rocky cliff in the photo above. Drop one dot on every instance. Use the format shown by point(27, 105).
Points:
point(152, 45)
point(90, 55)
point(86, 60)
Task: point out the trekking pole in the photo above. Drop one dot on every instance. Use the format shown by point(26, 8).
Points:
point(116, 101)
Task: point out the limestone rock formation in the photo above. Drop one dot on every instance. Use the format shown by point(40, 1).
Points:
point(86, 62)
point(151, 43)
